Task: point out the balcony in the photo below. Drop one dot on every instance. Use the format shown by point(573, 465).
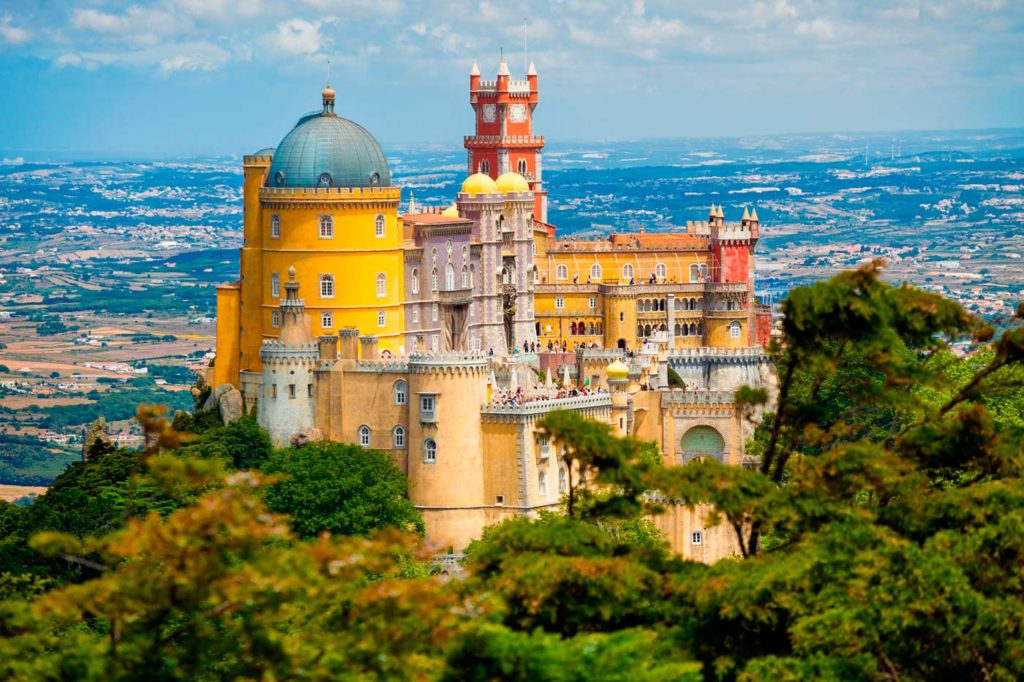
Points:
point(455, 296)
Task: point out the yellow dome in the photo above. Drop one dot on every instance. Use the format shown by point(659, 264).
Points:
point(617, 370)
point(479, 183)
point(452, 211)
point(512, 182)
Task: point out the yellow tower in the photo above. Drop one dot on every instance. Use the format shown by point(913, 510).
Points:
point(323, 203)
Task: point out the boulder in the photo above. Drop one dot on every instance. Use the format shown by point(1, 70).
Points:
point(231, 405)
point(96, 441)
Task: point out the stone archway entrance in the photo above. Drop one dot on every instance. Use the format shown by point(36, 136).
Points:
point(702, 442)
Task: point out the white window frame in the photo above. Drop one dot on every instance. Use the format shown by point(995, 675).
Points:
point(327, 320)
point(592, 302)
point(326, 227)
point(433, 279)
point(562, 272)
point(275, 226)
point(415, 315)
point(465, 276)
point(401, 391)
point(275, 285)
point(275, 319)
point(559, 303)
point(433, 312)
point(542, 484)
point(382, 319)
point(735, 330)
point(660, 271)
point(428, 408)
point(379, 226)
point(627, 271)
point(327, 285)
point(398, 436)
point(364, 436)
point(382, 285)
point(596, 272)
point(697, 538)
point(429, 451)
point(414, 283)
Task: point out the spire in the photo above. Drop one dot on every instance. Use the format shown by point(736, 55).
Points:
point(328, 96)
point(721, 213)
point(753, 215)
point(713, 212)
point(503, 69)
point(412, 203)
point(746, 214)
point(532, 71)
point(475, 71)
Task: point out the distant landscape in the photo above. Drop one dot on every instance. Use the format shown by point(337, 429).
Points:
point(107, 266)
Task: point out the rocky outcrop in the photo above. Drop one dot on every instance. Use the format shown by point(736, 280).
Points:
point(227, 400)
point(96, 441)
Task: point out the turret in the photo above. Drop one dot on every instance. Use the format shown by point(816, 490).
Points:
point(531, 77)
point(474, 78)
point(503, 77)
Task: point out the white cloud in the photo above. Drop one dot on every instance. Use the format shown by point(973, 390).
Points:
point(195, 57)
point(819, 28)
point(136, 24)
point(168, 59)
point(12, 34)
point(298, 36)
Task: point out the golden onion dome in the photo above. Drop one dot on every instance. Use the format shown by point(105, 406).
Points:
point(617, 370)
point(479, 183)
point(451, 212)
point(512, 182)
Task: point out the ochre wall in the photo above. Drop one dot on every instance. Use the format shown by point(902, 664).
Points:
point(225, 368)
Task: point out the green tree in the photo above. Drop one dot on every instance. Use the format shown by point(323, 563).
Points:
point(342, 489)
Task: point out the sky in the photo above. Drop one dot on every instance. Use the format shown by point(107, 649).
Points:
point(113, 78)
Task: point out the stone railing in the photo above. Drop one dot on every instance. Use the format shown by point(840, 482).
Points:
point(605, 354)
point(449, 563)
point(501, 140)
point(543, 406)
point(455, 296)
point(680, 397)
point(706, 353)
point(380, 366)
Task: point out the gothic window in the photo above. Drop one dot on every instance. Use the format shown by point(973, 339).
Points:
point(542, 484)
point(364, 436)
point(485, 167)
point(449, 277)
point(595, 272)
point(379, 226)
point(275, 319)
point(660, 271)
point(415, 283)
point(433, 279)
point(627, 271)
point(429, 451)
point(275, 285)
point(326, 286)
point(275, 226)
point(685, 331)
point(375, 179)
point(415, 315)
point(381, 319)
point(398, 437)
point(382, 285)
point(401, 392)
point(521, 167)
point(465, 277)
point(562, 272)
point(327, 320)
point(730, 305)
point(472, 276)
point(433, 313)
point(326, 227)
point(734, 330)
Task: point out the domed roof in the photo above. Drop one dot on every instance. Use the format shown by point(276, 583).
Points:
point(451, 212)
point(479, 183)
point(266, 151)
point(512, 182)
point(617, 370)
point(325, 150)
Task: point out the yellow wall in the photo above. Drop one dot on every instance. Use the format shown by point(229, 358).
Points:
point(579, 262)
point(225, 368)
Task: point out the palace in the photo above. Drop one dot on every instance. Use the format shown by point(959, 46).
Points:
point(443, 334)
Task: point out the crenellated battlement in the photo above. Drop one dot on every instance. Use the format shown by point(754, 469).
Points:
point(679, 396)
point(452, 362)
point(382, 366)
point(314, 194)
point(537, 408)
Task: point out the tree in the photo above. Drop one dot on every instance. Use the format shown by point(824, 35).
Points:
point(341, 489)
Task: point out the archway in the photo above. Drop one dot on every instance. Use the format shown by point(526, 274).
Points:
point(702, 442)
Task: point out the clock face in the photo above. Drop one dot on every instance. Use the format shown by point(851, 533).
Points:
point(517, 113)
point(488, 113)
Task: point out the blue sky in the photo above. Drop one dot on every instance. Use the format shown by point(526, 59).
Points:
point(107, 77)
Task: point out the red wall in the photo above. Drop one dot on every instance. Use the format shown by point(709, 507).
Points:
point(735, 262)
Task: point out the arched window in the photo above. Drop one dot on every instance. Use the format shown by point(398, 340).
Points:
point(326, 286)
point(398, 437)
point(693, 330)
point(327, 320)
point(563, 481)
point(429, 451)
point(694, 273)
point(685, 331)
point(275, 226)
point(521, 167)
point(449, 277)
point(676, 330)
point(562, 272)
point(364, 436)
point(595, 272)
point(572, 328)
point(485, 167)
point(542, 484)
point(472, 276)
point(401, 392)
point(275, 319)
point(381, 318)
point(627, 271)
point(415, 283)
point(375, 179)
point(382, 285)
point(465, 277)
point(734, 330)
point(433, 279)
point(379, 225)
point(275, 285)
point(660, 271)
point(326, 227)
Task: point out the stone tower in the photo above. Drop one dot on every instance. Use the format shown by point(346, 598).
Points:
point(287, 403)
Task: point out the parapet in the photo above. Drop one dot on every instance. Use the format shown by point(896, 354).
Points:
point(451, 362)
point(318, 194)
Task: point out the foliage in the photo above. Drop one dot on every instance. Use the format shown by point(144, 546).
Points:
point(29, 461)
point(341, 489)
point(114, 405)
point(242, 444)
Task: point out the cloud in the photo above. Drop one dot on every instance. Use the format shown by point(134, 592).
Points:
point(819, 28)
point(136, 24)
point(168, 59)
point(297, 36)
point(12, 34)
point(195, 57)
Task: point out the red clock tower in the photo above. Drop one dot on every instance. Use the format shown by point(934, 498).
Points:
point(504, 139)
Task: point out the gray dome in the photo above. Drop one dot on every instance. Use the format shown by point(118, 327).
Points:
point(324, 150)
